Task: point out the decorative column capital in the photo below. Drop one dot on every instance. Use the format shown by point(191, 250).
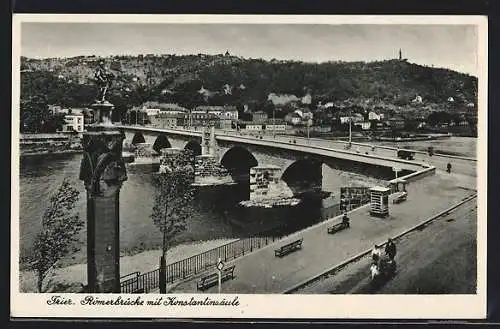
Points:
point(103, 169)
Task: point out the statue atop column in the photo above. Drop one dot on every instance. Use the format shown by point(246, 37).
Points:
point(104, 80)
point(103, 107)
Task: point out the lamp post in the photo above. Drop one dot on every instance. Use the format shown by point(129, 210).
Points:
point(350, 128)
point(308, 123)
point(274, 124)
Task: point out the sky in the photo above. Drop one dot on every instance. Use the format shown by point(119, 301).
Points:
point(447, 46)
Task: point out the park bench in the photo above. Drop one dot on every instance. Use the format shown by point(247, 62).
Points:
point(288, 248)
point(212, 279)
point(337, 227)
point(400, 198)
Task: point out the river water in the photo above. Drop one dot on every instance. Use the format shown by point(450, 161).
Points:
point(215, 212)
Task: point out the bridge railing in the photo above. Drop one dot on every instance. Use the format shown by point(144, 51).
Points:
point(141, 283)
point(208, 259)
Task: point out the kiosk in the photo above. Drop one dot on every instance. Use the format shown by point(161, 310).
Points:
point(379, 199)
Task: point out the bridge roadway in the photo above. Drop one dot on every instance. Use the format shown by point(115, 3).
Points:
point(262, 272)
point(314, 149)
point(463, 165)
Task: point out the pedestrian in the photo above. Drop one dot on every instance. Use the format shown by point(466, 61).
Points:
point(390, 249)
point(345, 220)
point(375, 254)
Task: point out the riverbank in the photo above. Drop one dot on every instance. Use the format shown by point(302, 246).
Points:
point(28, 153)
point(71, 278)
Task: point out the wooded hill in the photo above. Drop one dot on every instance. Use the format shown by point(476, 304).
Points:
point(218, 80)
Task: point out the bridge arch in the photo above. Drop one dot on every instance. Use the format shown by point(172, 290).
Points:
point(194, 147)
point(161, 142)
point(138, 138)
point(238, 160)
point(304, 175)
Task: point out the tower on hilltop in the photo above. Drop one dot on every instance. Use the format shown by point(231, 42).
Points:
point(400, 54)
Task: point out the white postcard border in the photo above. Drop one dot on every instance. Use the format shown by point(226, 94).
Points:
point(261, 306)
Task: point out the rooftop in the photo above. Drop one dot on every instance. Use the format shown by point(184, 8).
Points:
point(379, 189)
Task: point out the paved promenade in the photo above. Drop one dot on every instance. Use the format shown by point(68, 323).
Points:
point(262, 272)
point(447, 244)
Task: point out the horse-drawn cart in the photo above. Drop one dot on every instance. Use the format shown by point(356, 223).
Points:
point(382, 270)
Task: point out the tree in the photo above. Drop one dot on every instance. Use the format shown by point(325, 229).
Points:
point(173, 200)
point(53, 123)
point(59, 233)
point(34, 113)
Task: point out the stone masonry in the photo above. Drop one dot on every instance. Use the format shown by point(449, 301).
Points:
point(143, 150)
point(265, 183)
point(207, 171)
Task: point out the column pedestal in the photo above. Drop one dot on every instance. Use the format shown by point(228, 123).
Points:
point(103, 172)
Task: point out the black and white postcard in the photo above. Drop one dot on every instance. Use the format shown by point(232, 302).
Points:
point(225, 166)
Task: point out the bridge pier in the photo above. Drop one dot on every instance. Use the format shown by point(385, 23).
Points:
point(265, 183)
point(208, 171)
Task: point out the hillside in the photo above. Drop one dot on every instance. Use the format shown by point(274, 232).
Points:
point(206, 79)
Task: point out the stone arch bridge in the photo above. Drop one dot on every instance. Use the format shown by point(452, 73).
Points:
point(301, 165)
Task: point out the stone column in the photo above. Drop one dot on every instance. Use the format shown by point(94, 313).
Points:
point(103, 172)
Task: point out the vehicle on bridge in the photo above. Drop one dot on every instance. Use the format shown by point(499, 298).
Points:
point(406, 154)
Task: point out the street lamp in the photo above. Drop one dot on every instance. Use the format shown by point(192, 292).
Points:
point(274, 124)
point(350, 128)
point(308, 124)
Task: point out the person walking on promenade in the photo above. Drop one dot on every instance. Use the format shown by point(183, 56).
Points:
point(345, 220)
point(375, 254)
point(390, 249)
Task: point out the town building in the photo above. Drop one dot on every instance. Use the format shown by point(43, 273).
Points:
point(356, 117)
point(223, 112)
point(293, 118)
point(417, 99)
point(320, 129)
point(275, 125)
point(375, 116)
point(151, 112)
point(168, 120)
point(172, 108)
point(379, 126)
point(73, 123)
point(365, 125)
point(202, 119)
point(395, 122)
point(250, 125)
point(225, 124)
point(260, 116)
